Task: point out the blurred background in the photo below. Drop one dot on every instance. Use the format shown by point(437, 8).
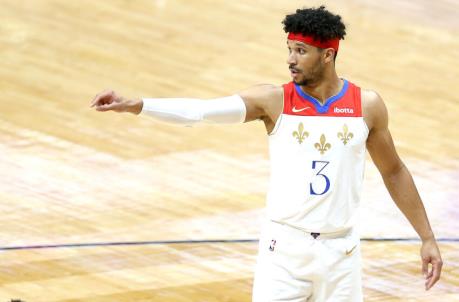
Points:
point(88, 198)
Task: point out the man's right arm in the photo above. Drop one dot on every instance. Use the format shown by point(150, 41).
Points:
point(250, 104)
point(263, 102)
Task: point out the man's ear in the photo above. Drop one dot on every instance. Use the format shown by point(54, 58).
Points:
point(329, 55)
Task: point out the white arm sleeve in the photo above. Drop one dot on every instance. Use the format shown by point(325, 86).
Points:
point(188, 112)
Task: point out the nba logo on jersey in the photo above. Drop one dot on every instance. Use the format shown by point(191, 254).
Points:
point(272, 245)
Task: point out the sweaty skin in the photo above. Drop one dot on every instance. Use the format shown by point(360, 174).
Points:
point(314, 70)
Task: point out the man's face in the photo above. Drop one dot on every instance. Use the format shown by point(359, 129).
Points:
point(305, 63)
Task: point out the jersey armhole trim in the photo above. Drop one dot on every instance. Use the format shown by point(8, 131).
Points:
point(358, 99)
point(360, 107)
point(279, 118)
point(367, 130)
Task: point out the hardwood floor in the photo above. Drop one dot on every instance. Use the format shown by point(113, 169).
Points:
point(70, 175)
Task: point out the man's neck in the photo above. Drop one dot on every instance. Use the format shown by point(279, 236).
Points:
point(325, 88)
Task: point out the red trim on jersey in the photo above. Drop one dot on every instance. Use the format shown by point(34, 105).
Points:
point(349, 105)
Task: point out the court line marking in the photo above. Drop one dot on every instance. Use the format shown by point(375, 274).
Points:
point(165, 242)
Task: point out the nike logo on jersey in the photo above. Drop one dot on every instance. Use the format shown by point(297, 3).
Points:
point(351, 250)
point(343, 110)
point(298, 110)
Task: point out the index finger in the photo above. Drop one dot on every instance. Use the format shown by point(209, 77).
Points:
point(435, 274)
point(100, 96)
point(94, 100)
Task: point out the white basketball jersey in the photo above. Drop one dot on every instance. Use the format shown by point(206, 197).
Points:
point(317, 157)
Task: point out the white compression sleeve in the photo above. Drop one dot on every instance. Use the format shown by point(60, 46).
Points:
point(188, 112)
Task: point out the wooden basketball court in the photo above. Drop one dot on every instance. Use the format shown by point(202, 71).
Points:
point(115, 207)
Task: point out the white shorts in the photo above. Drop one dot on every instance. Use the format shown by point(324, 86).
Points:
point(292, 266)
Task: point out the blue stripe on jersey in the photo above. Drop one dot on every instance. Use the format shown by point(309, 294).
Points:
point(319, 107)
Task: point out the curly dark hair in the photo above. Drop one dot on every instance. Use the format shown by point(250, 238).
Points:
point(316, 22)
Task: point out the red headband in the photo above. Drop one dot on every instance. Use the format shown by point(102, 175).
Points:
point(332, 43)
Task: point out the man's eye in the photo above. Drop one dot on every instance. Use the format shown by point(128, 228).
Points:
point(302, 51)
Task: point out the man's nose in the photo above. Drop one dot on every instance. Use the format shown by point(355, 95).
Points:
point(291, 59)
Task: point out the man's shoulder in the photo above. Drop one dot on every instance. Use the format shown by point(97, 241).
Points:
point(370, 95)
point(269, 90)
point(373, 108)
point(263, 93)
point(371, 100)
point(262, 101)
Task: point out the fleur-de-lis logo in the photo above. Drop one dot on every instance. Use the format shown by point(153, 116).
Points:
point(345, 136)
point(300, 134)
point(323, 146)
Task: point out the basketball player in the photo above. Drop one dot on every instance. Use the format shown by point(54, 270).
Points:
point(319, 127)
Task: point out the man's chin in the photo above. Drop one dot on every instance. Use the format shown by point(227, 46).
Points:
point(302, 82)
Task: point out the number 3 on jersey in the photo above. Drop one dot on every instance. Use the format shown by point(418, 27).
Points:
point(320, 164)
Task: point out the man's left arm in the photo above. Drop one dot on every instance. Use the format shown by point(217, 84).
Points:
point(400, 184)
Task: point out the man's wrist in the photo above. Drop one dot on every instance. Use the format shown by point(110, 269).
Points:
point(428, 237)
point(135, 106)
